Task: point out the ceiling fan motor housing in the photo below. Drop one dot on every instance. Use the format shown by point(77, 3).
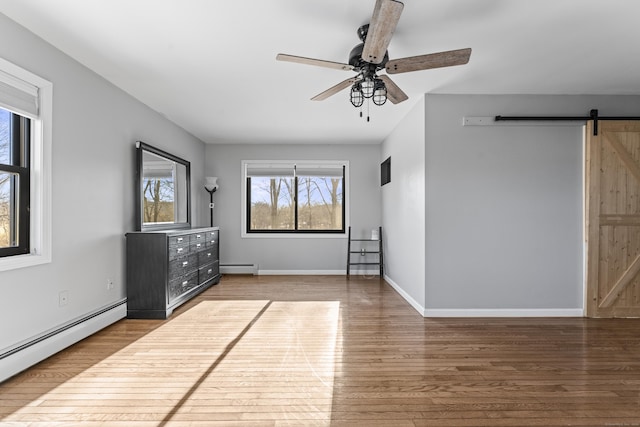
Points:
point(355, 60)
point(362, 32)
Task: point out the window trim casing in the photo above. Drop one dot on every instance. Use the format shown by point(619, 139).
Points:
point(307, 234)
point(40, 176)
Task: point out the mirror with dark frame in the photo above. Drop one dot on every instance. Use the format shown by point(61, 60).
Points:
point(162, 189)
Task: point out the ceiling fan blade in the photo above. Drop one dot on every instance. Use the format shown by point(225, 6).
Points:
point(386, 15)
point(316, 62)
point(335, 89)
point(432, 60)
point(394, 93)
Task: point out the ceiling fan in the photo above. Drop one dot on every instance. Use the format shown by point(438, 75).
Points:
point(371, 56)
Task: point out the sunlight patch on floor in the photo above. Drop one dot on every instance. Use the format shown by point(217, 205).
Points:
point(242, 361)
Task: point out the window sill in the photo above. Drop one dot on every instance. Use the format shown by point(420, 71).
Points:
point(21, 261)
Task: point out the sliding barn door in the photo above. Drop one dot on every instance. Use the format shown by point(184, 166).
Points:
point(613, 219)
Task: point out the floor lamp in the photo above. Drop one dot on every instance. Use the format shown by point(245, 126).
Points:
point(211, 185)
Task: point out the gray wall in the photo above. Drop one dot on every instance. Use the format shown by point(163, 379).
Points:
point(95, 126)
point(293, 255)
point(403, 207)
point(503, 205)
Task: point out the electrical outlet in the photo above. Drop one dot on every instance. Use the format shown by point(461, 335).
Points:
point(63, 298)
point(110, 285)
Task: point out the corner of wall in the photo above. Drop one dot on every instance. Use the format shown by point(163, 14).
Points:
point(403, 207)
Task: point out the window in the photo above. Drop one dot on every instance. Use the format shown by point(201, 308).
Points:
point(295, 198)
point(14, 183)
point(25, 158)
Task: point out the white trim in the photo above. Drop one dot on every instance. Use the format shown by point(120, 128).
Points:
point(342, 272)
point(294, 235)
point(40, 174)
point(302, 272)
point(415, 304)
point(243, 201)
point(40, 350)
point(502, 312)
point(480, 312)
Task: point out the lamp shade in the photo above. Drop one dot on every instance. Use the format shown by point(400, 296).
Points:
point(211, 183)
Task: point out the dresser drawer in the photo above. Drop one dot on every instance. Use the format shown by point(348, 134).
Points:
point(207, 256)
point(208, 272)
point(212, 238)
point(197, 245)
point(182, 266)
point(178, 246)
point(181, 285)
point(198, 237)
point(179, 240)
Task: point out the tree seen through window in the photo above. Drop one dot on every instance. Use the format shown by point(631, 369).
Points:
point(298, 203)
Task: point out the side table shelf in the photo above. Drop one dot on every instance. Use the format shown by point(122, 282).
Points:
point(365, 247)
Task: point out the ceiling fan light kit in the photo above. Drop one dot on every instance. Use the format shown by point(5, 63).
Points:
point(379, 92)
point(367, 86)
point(371, 56)
point(357, 97)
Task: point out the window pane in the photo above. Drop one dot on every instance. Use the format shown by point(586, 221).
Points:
point(8, 201)
point(319, 203)
point(272, 206)
point(5, 137)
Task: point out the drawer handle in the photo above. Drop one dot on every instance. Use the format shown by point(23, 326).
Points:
point(180, 250)
point(185, 263)
point(198, 236)
point(208, 254)
point(180, 239)
point(198, 245)
point(209, 271)
point(185, 283)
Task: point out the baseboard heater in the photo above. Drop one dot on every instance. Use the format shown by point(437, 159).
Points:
point(239, 269)
point(20, 357)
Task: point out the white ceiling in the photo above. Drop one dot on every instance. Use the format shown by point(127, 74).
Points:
point(209, 65)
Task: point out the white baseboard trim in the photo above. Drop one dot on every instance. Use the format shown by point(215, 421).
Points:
point(21, 357)
point(419, 308)
point(375, 272)
point(302, 272)
point(473, 312)
point(510, 312)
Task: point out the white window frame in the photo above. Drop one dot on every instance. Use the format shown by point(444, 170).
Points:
point(40, 173)
point(275, 235)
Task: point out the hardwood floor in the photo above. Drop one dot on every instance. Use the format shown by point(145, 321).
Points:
point(324, 351)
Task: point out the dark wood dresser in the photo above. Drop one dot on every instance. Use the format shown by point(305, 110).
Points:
point(167, 268)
